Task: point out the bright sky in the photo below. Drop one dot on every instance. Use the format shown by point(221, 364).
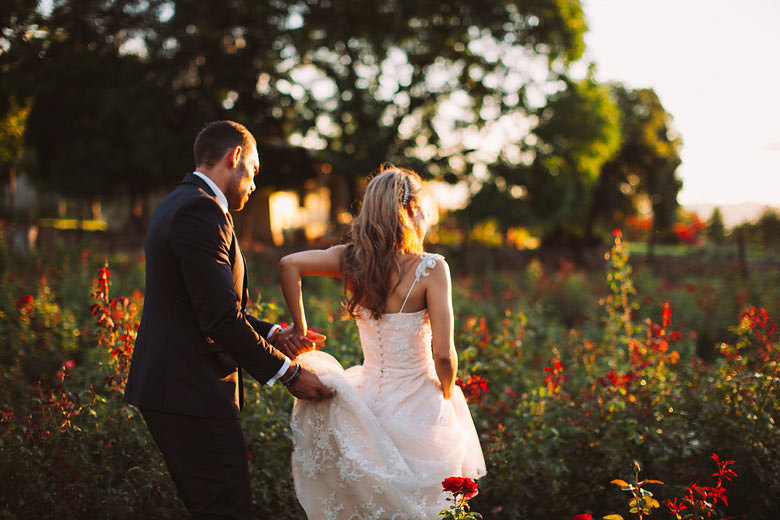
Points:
point(715, 65)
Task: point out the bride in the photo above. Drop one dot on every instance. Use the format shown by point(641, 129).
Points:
point(397, 424)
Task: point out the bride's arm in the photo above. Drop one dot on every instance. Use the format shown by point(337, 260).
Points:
point(316, 262)
point(439, 301)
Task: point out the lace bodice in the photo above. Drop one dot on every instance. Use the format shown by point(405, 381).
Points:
point(399, 341)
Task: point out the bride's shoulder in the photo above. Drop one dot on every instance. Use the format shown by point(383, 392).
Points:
point(429, 262)
point(431, 259)
point(339, 249)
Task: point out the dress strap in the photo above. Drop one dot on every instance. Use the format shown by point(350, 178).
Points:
point(427, 261)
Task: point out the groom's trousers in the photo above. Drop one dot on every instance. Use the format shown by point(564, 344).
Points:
point(207, 461)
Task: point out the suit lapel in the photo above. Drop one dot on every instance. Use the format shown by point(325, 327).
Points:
point(239, 262)
point(239, 266)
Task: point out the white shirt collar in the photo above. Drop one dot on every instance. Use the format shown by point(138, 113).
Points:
point(220, 196)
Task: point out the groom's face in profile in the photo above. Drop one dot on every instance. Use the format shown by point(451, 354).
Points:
point(242, 182)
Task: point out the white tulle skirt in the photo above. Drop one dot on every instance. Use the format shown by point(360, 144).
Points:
point(382, 445)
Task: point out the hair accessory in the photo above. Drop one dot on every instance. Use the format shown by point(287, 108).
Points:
point(405, 195)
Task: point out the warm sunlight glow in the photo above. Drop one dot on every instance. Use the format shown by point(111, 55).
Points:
point(287, 215)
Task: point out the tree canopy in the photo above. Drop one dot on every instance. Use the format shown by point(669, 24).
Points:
point(465, 91)
point(550, 189)
point(598, 154)
point(642, 175)
point(122, 83)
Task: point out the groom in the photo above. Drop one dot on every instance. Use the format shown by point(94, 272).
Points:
point(195, 336)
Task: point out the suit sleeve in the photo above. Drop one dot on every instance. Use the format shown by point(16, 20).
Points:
point(201, 241)
point(263, 328)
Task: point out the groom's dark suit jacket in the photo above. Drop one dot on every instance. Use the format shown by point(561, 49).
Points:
point(195, 336)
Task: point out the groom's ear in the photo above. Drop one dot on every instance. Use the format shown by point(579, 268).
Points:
point(234, 157)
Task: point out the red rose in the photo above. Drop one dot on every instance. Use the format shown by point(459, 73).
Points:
point(460, 486)
point(473, 387)
point(24, 301)
point(582, 517)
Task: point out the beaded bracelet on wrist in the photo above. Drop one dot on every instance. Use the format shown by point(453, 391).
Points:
point(294, 377)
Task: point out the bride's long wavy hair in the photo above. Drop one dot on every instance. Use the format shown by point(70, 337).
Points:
point(382, 231)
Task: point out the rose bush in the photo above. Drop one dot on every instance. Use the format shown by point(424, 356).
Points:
point(630, 377)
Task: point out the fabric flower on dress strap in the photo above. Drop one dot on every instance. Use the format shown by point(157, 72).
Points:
point(428, 261)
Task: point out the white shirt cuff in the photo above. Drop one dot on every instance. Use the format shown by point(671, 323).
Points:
point(280, 373)
point(274, 328)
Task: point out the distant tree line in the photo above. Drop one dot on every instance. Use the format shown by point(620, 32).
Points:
point(109, 94)
point(763, 233)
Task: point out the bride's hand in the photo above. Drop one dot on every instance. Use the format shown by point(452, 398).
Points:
point(287, 341)
point(315, 337)
point(291, 342)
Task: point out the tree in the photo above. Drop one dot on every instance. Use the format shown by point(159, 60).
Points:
point(95, 129)
point(600, 153)
point(716, 231)
point(577, 131)
point(12, 155)
point(15, 20)
point(643, 172)
point(406, 81)
point(364, 82)
point(767, 229)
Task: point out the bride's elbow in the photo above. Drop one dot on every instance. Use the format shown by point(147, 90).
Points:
point(444, 353)
point(444, 359)
point(286, 264)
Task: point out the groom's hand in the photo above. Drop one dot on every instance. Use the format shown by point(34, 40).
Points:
point(309, 387)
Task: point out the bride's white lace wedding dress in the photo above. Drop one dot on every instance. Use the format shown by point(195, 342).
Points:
point(382, 445)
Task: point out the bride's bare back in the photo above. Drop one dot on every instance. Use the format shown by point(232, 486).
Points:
point(432, 292)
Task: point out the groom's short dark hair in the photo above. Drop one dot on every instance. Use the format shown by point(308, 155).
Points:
point(217, 138)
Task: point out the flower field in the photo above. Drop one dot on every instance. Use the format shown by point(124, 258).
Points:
point(639, 392)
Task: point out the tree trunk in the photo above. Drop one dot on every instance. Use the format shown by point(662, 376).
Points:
point(650, 255)
point(255, 220)
point(339, 200)
point(12, 191)
point(137, 212)
point(743, 269)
